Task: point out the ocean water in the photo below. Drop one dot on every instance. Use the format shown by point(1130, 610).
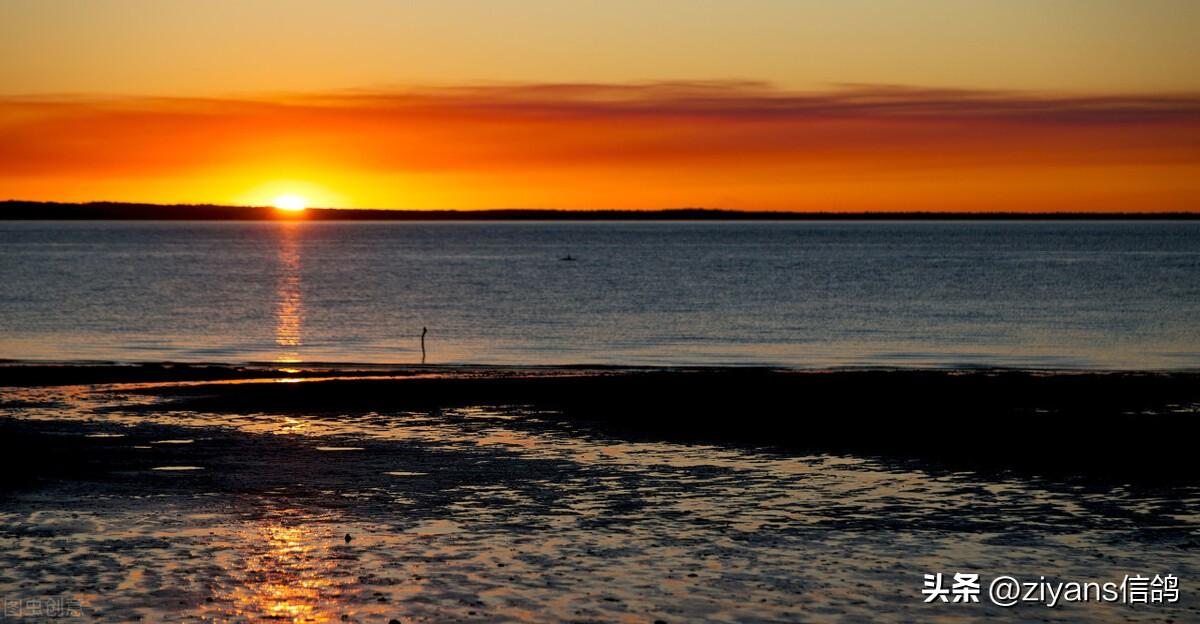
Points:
point(801, 294)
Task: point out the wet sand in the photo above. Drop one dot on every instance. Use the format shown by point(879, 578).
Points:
point(589, 494)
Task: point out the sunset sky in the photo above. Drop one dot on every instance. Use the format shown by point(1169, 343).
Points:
point(789, 105)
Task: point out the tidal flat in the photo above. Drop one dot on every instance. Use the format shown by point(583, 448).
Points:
point(589, 495)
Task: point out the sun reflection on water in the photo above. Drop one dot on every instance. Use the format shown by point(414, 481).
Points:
point(287, 579)
point(289, 307)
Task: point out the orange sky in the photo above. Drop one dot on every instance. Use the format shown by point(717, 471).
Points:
point(739, 146)
point(1023, 105)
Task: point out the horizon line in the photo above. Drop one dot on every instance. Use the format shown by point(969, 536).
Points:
point(24, 210)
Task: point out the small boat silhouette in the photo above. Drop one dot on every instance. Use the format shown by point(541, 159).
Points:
point(567, 258)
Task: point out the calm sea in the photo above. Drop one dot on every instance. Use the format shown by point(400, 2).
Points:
point(1037, 294)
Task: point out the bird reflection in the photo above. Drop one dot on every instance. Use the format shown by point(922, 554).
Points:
point(289, 306)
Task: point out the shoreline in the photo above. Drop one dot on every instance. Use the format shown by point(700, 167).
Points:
point(32, 373)
point(1109, 424)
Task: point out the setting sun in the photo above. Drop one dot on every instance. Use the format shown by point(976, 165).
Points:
point(290, 202)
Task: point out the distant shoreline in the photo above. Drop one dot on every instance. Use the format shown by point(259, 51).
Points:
point(13, 210)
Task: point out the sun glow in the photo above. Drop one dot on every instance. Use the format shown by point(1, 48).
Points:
point(290, 202)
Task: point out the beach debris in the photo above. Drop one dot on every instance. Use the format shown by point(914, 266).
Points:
point(348, 538)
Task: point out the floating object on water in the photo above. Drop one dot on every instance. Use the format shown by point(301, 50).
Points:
point(567, 258)
point(348, 538)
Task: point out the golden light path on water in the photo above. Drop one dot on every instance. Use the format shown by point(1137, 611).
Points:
point(286, 580)
point(289, 303)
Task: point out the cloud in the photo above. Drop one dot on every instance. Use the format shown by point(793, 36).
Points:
point(745, 131)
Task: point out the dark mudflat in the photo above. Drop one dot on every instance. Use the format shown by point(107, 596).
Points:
point(577, 494)
point(1092, 423)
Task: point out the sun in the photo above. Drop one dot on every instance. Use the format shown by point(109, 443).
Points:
point(290, 202)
